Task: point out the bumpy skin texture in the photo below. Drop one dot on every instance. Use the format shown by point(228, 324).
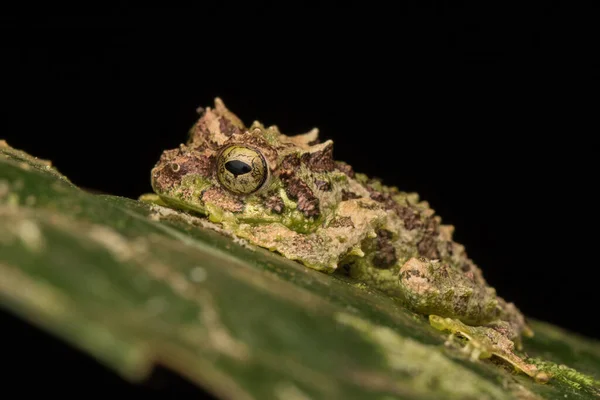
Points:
point(321, 213)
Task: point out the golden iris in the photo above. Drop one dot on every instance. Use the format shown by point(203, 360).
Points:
point(241, 170)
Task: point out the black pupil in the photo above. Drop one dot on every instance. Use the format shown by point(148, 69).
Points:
point(237, 167)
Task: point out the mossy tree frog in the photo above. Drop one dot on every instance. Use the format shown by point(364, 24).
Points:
point(289, 195)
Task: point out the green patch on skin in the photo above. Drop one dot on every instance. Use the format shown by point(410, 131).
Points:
point(196, 184)
point(297, 222)
point(287, 202)
point(385, 280)
point(403, 198)
point(361, 178)
point(185, 196)
point(378, 185)
point(338, 178)
point(215, 213)
point(152, 198)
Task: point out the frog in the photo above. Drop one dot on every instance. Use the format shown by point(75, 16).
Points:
point(289, 195)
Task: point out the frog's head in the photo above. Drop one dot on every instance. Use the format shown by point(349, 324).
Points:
point(255, 174)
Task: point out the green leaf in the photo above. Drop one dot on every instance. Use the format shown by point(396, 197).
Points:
point(134, 285)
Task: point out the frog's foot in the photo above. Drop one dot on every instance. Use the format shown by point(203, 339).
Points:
point(475, 352)
point(485, 342)
point(451, 340)
point(471, 349)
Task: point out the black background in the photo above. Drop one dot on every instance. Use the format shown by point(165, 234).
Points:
point(489, 114)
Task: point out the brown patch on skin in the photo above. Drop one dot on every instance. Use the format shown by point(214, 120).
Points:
point(367, 206)
point(385, 256)
point(410, 216)
point(342, 222)
point(409, 273)
point(442, 270)
point(323, 185)
point(219, 197)
point(428, 248)
point(320, 161)
point(470, 275)
point(472, 272)
point(432, 225)
point(377, 196)
point(227, 127)
point(175, 164)
point(306, 246)
point(275, 204)
point(460, 307)
point(200, 133)
point(503, 328)
point(288, 166)
point(168, 155)
point(199, 130)
point(299, 191)
point(198, 165)
point(428, 245)
point(212, 122)
point(296, 189)
point(450, 248)
point(346, 195)
point(201, 147)
point(345, 168)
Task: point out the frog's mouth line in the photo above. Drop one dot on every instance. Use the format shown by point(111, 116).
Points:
point(218, 217)
point(203, 212)
point(173, 201)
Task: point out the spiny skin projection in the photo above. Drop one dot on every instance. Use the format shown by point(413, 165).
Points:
point(292, 197)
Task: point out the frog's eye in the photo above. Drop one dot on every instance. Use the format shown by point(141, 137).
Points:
point(241, 170)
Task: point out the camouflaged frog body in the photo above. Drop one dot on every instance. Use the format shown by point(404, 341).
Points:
point(289, 195)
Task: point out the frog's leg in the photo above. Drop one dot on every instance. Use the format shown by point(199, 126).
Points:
point(485, 342)
point(473, 349)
